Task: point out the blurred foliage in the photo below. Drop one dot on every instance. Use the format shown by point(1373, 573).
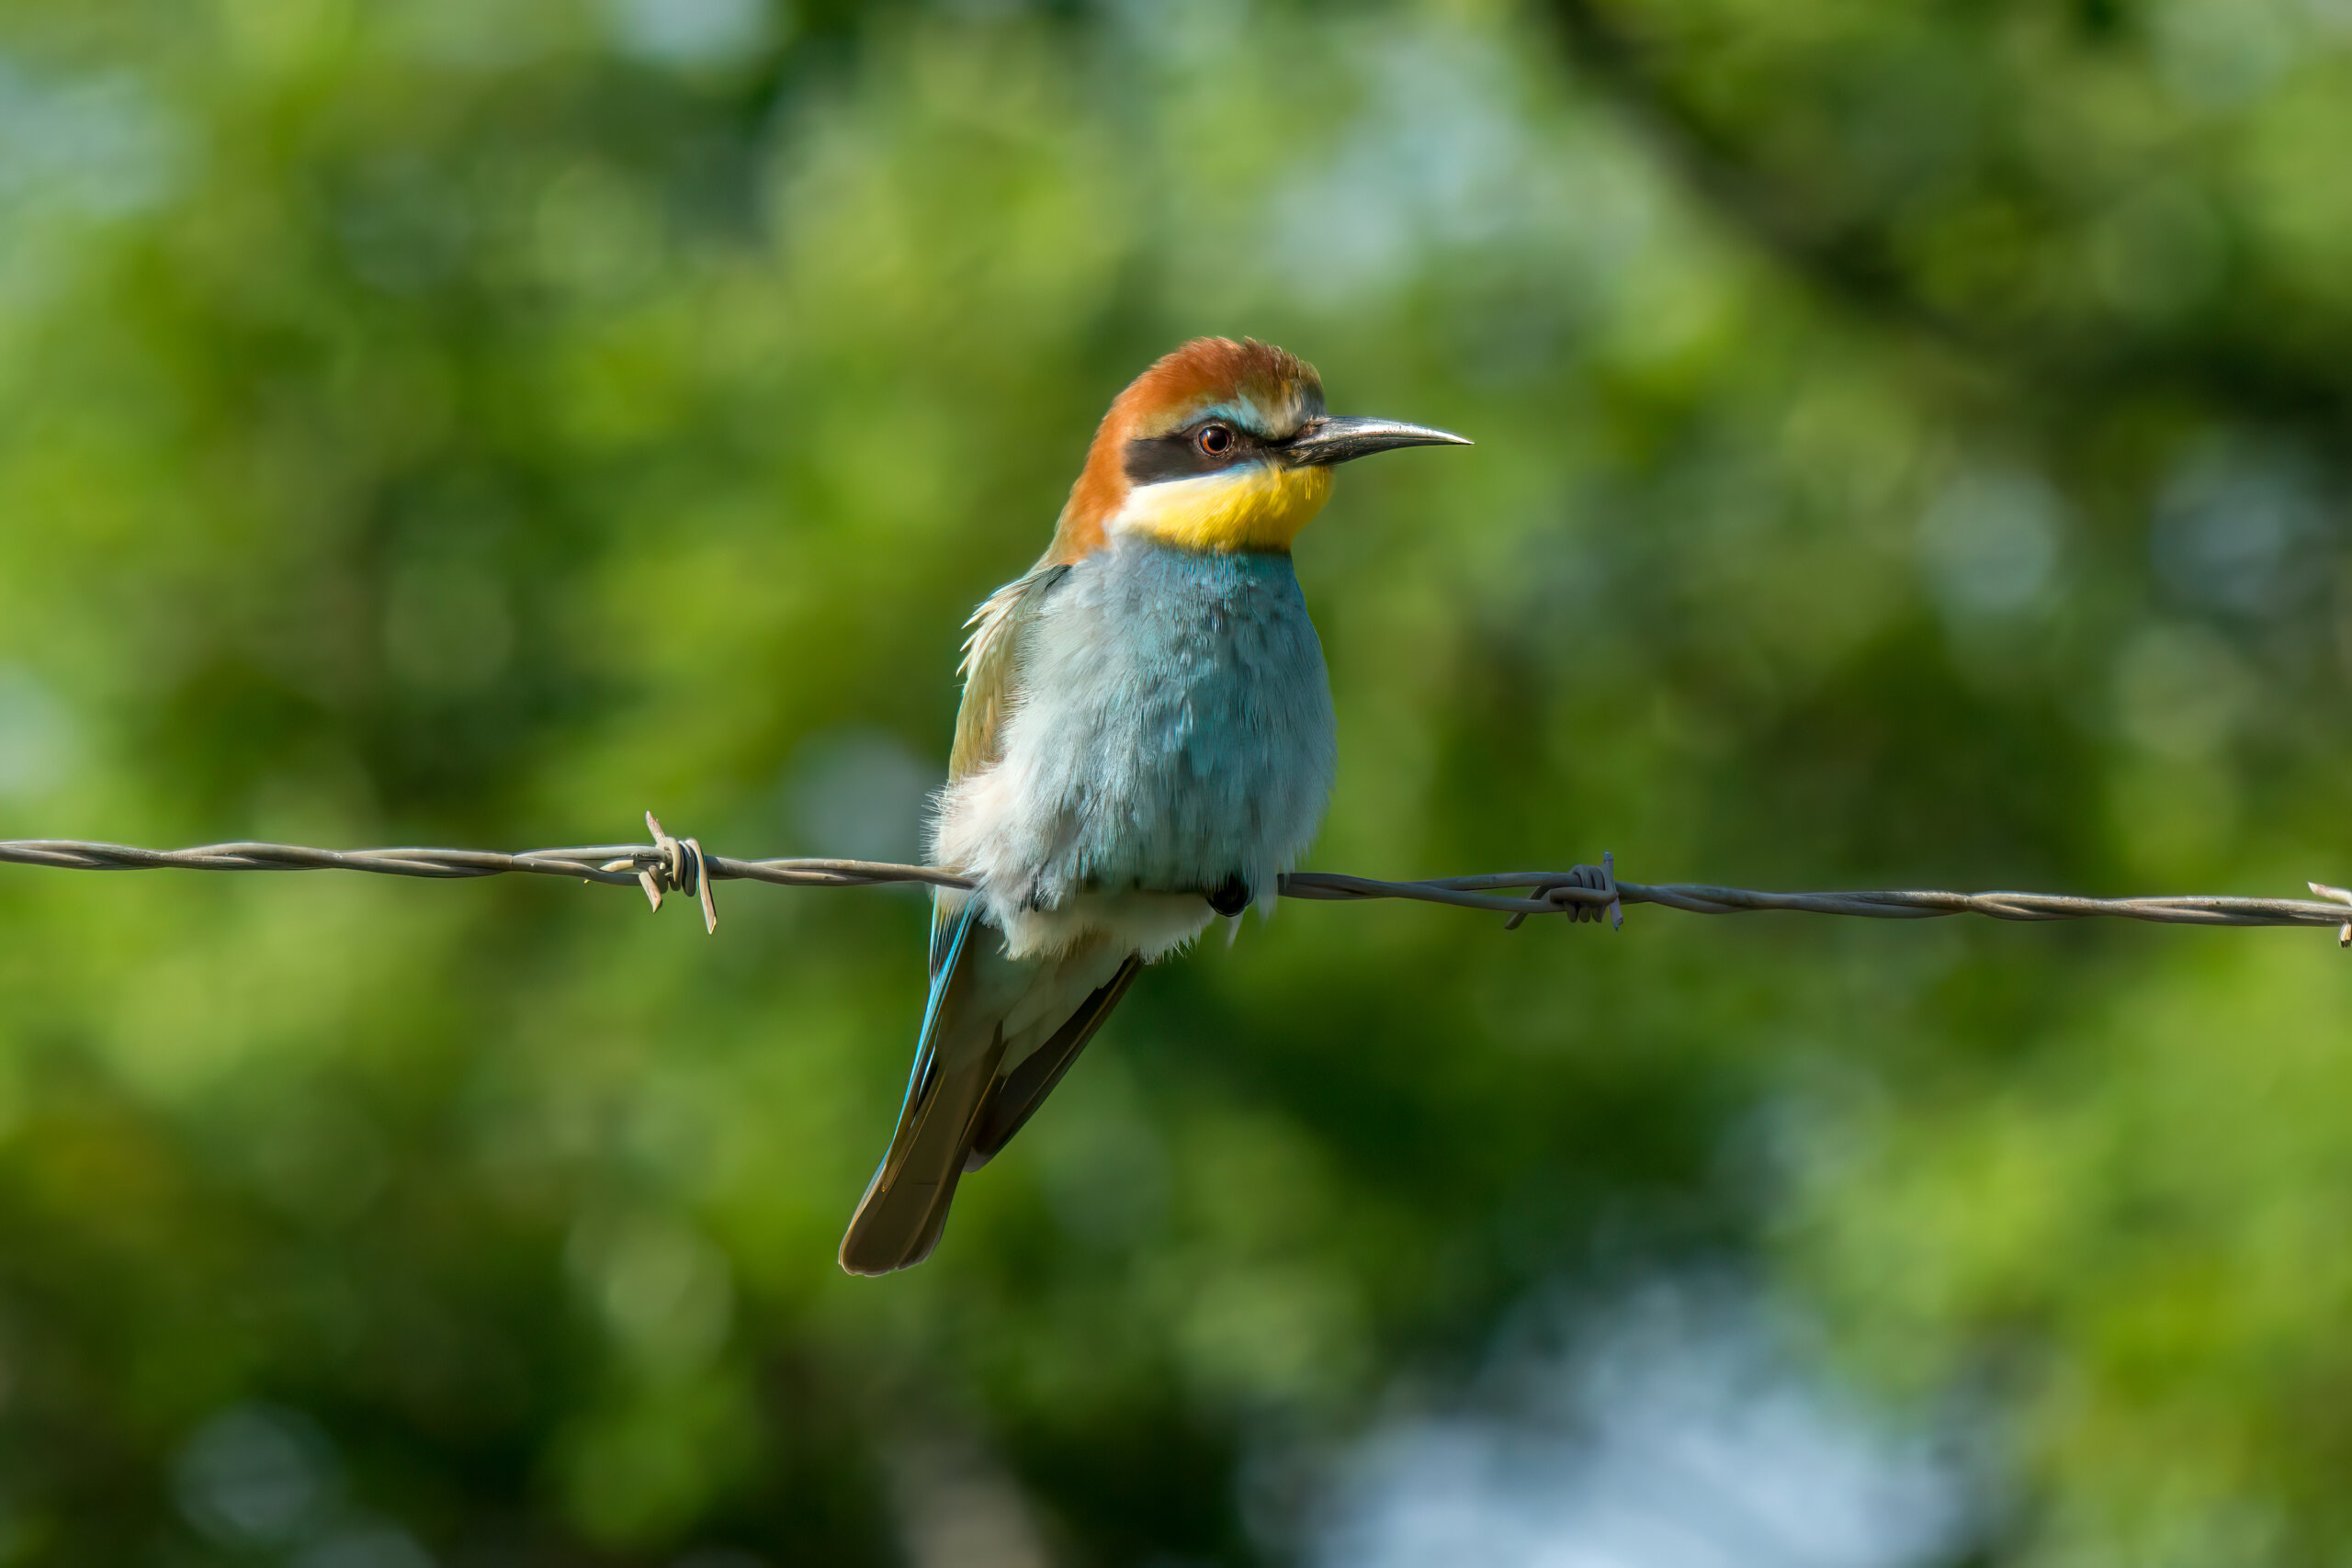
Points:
point(1909, 452)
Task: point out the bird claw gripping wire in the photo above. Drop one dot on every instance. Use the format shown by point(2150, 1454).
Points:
point(675, 864)
point(2344, 932)
point(1601, 878)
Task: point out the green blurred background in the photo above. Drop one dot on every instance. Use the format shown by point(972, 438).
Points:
point(1910, 452)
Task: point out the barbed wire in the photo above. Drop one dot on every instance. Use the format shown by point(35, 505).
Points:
point(1583, 893)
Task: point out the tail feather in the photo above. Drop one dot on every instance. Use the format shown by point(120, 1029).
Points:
point(905, 1208)
point(962, 1103)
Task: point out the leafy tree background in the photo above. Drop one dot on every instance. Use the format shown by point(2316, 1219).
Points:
point(1910, 452)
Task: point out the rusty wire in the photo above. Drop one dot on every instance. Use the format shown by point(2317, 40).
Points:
point(671, 863)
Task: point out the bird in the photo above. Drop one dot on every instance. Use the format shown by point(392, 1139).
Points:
point(1146, 742)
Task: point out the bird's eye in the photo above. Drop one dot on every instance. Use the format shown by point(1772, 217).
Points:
point(1215, 439)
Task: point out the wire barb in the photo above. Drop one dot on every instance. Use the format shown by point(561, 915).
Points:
point(1601, 878)
point(2344, 932)
point(681, 867)
point(675, 864)
point(1582, 893)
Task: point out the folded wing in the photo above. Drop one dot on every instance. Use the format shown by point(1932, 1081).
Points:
point(997, 1034)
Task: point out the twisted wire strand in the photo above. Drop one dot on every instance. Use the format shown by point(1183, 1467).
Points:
point(1552, 896)
point(671, 863)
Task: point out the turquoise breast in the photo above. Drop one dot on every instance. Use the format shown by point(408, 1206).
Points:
point(1173, 727)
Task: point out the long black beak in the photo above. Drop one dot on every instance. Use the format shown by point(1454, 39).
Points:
point(1322, 442)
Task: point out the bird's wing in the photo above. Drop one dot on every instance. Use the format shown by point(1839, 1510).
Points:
point(1022, 1090)
point(991, 649)
point(973, 985)
point(990, 658)
point(962, 1105)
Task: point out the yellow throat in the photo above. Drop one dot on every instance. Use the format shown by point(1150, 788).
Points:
point(1259, 508)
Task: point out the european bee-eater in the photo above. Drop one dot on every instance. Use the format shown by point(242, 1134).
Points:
point(1145, 740)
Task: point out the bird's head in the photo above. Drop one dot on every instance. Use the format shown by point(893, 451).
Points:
point(1220, 446)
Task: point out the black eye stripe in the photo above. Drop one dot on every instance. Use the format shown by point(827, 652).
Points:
point(1179, 454)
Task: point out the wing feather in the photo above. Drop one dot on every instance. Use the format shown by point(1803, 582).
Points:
point(1022, 1090)
point(957, 1094)
point(990, 664)
point(991, 660)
